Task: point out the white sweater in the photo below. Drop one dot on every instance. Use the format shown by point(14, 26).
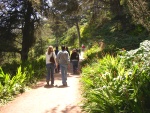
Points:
point(48, 57)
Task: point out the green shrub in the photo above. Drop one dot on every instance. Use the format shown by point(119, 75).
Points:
point(28, 73)
point(35, 69)
point(90, 55)
point(11, 86)
point(95, 52)
point(118, 84)
point(11, 68)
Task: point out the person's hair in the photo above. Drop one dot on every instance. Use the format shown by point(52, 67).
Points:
point(74, 50)
point(50, 49)
point(56, 47)
point(66, 48)
point(63, 48)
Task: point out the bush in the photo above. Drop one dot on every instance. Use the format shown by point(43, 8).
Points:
point(25, 75)
point(11, 86)
point(118, 84)
point(11, 68)
point(35, 69)
point(95, 52)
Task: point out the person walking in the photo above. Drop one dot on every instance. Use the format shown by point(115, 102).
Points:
point(74, 58)
point(67, 50)
point(50, 65)
point(56, 52)
point(63, 60)
point(83, 47)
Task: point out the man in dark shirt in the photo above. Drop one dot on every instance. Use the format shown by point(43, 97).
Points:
point(74, 58)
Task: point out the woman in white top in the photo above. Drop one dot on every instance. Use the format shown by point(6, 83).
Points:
point(50, 65)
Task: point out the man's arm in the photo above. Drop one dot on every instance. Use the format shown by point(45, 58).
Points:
point(57, 57)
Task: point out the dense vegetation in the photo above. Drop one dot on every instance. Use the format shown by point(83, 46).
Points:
point(119, 84)
point(16, 78)
point(111, 30)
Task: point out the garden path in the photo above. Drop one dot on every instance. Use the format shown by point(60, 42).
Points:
point(42, 99)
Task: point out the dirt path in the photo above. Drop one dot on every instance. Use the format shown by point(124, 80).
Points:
point(42, 99)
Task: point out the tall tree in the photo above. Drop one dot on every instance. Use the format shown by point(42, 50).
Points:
point(67, 11)
point(19, 19)
point(28, 31)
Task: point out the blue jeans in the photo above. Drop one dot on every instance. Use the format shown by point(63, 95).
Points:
point(75, 66)
point(57, 69)
point(50, 73)
point(63, 68)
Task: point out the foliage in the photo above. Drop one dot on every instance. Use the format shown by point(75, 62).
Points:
point(11, 86)
point(113, 34)
point(110, 21)
point(91, 55)
point(35, 69)
point(19, 21)
point(70, 37)
point(15, 81)
point(118, 84)
point(117, 30)
point(137, 8)
point(97, 52)
point(66, 7)
point(11, 68)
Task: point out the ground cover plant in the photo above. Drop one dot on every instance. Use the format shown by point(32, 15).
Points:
point(13, 82)
point(11, 86)
point(118, 84)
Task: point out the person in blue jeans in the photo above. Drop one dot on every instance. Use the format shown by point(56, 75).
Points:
point(50, 66)
point(74, 58)
point(63, 60)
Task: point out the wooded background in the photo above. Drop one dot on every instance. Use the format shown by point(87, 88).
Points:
point(27, 27)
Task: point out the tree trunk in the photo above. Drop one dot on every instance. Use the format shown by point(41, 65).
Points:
point(28, 32)
point(79, 37)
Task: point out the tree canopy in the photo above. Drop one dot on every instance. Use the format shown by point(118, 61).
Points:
point(20, 20)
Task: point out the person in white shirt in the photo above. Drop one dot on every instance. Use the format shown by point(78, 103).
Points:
point(50, 65)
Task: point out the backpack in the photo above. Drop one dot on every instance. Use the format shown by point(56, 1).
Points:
point(52, 59)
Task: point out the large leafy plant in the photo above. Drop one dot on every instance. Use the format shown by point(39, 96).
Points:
point(118, 84)
point(11, 86)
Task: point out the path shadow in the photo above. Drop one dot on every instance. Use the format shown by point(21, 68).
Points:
point(67, 109)
point(41, 83)
point(49, 86)
point(57, 76)
point(61, 86)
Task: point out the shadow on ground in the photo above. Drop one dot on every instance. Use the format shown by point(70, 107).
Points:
point(57, 76)
point(68, 109)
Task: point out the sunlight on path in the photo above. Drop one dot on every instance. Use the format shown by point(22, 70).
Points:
point(48, 100)
point(81, 55)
